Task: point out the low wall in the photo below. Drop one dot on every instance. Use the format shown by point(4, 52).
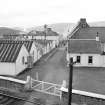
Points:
point(83, 98)
point(11, 84)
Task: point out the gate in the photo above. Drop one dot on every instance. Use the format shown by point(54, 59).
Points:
point(45, 87)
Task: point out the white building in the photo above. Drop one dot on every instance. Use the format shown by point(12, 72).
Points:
point(88, 52)
point(44, 35)
point(45, 45)
point(32, 49)
point(13, 58)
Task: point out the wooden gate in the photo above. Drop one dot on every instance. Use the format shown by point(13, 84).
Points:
point(45, 87)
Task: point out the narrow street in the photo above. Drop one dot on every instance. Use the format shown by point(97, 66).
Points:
point(51, 68)
point(54, 69)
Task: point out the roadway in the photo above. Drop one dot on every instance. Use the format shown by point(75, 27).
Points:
point(51, 68)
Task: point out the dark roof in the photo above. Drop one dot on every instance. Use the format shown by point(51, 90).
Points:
point(49, 33)
point(43, 42)
point(9, 51)
point(27, 43)
point(84, 46)
point(90, 33)
point(83, 31)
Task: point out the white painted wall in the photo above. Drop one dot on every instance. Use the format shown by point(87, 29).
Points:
point(98, 60)
point(19, 66)
point(34, 49)
point(7, 68)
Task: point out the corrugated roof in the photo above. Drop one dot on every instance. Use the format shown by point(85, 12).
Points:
point(84, 46)
point(27, 43)
point(9, 51)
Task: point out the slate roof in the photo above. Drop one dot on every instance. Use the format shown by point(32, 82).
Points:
point(90, 33)
point(87, 32)
point(84, 46)
point(9, 51)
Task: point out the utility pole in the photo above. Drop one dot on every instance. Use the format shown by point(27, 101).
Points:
point(70, 81)
point(45, 28)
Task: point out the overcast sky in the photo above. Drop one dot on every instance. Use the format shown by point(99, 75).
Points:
point(27, 13)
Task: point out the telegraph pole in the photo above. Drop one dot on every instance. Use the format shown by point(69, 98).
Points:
point(70, 81)
point(45, 28)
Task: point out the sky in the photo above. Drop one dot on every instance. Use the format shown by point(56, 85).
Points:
point(29, 13)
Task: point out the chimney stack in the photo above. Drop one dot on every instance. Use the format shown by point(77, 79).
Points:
point(97, 37)
point(83, 23)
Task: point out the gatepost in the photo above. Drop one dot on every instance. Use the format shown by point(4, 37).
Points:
point(64, 93)
point(28, 84)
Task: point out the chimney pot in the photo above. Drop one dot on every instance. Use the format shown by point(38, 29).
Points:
point(97, 37)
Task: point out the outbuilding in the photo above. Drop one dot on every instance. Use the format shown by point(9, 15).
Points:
point(13, 58)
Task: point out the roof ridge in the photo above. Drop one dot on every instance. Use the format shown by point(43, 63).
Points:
point(83, 39)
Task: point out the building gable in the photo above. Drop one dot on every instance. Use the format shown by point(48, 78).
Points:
point(84, 31)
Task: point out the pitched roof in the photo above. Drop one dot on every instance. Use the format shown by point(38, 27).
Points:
point(84, 46)
point(9, 51)
point(90, 33)
point(49, 33)
point(27, 43)
point(83, 31)
point(43, 42)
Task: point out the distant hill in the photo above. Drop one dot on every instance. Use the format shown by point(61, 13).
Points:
point(100, 23)
point(61, 28)
point(6, 30)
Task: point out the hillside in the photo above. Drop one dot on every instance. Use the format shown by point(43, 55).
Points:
point(61, 28)
point(6, 30)
point(100, 23)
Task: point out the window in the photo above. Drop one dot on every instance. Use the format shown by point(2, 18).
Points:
point(90, 59)
point(78, 59)
point(23, 60)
